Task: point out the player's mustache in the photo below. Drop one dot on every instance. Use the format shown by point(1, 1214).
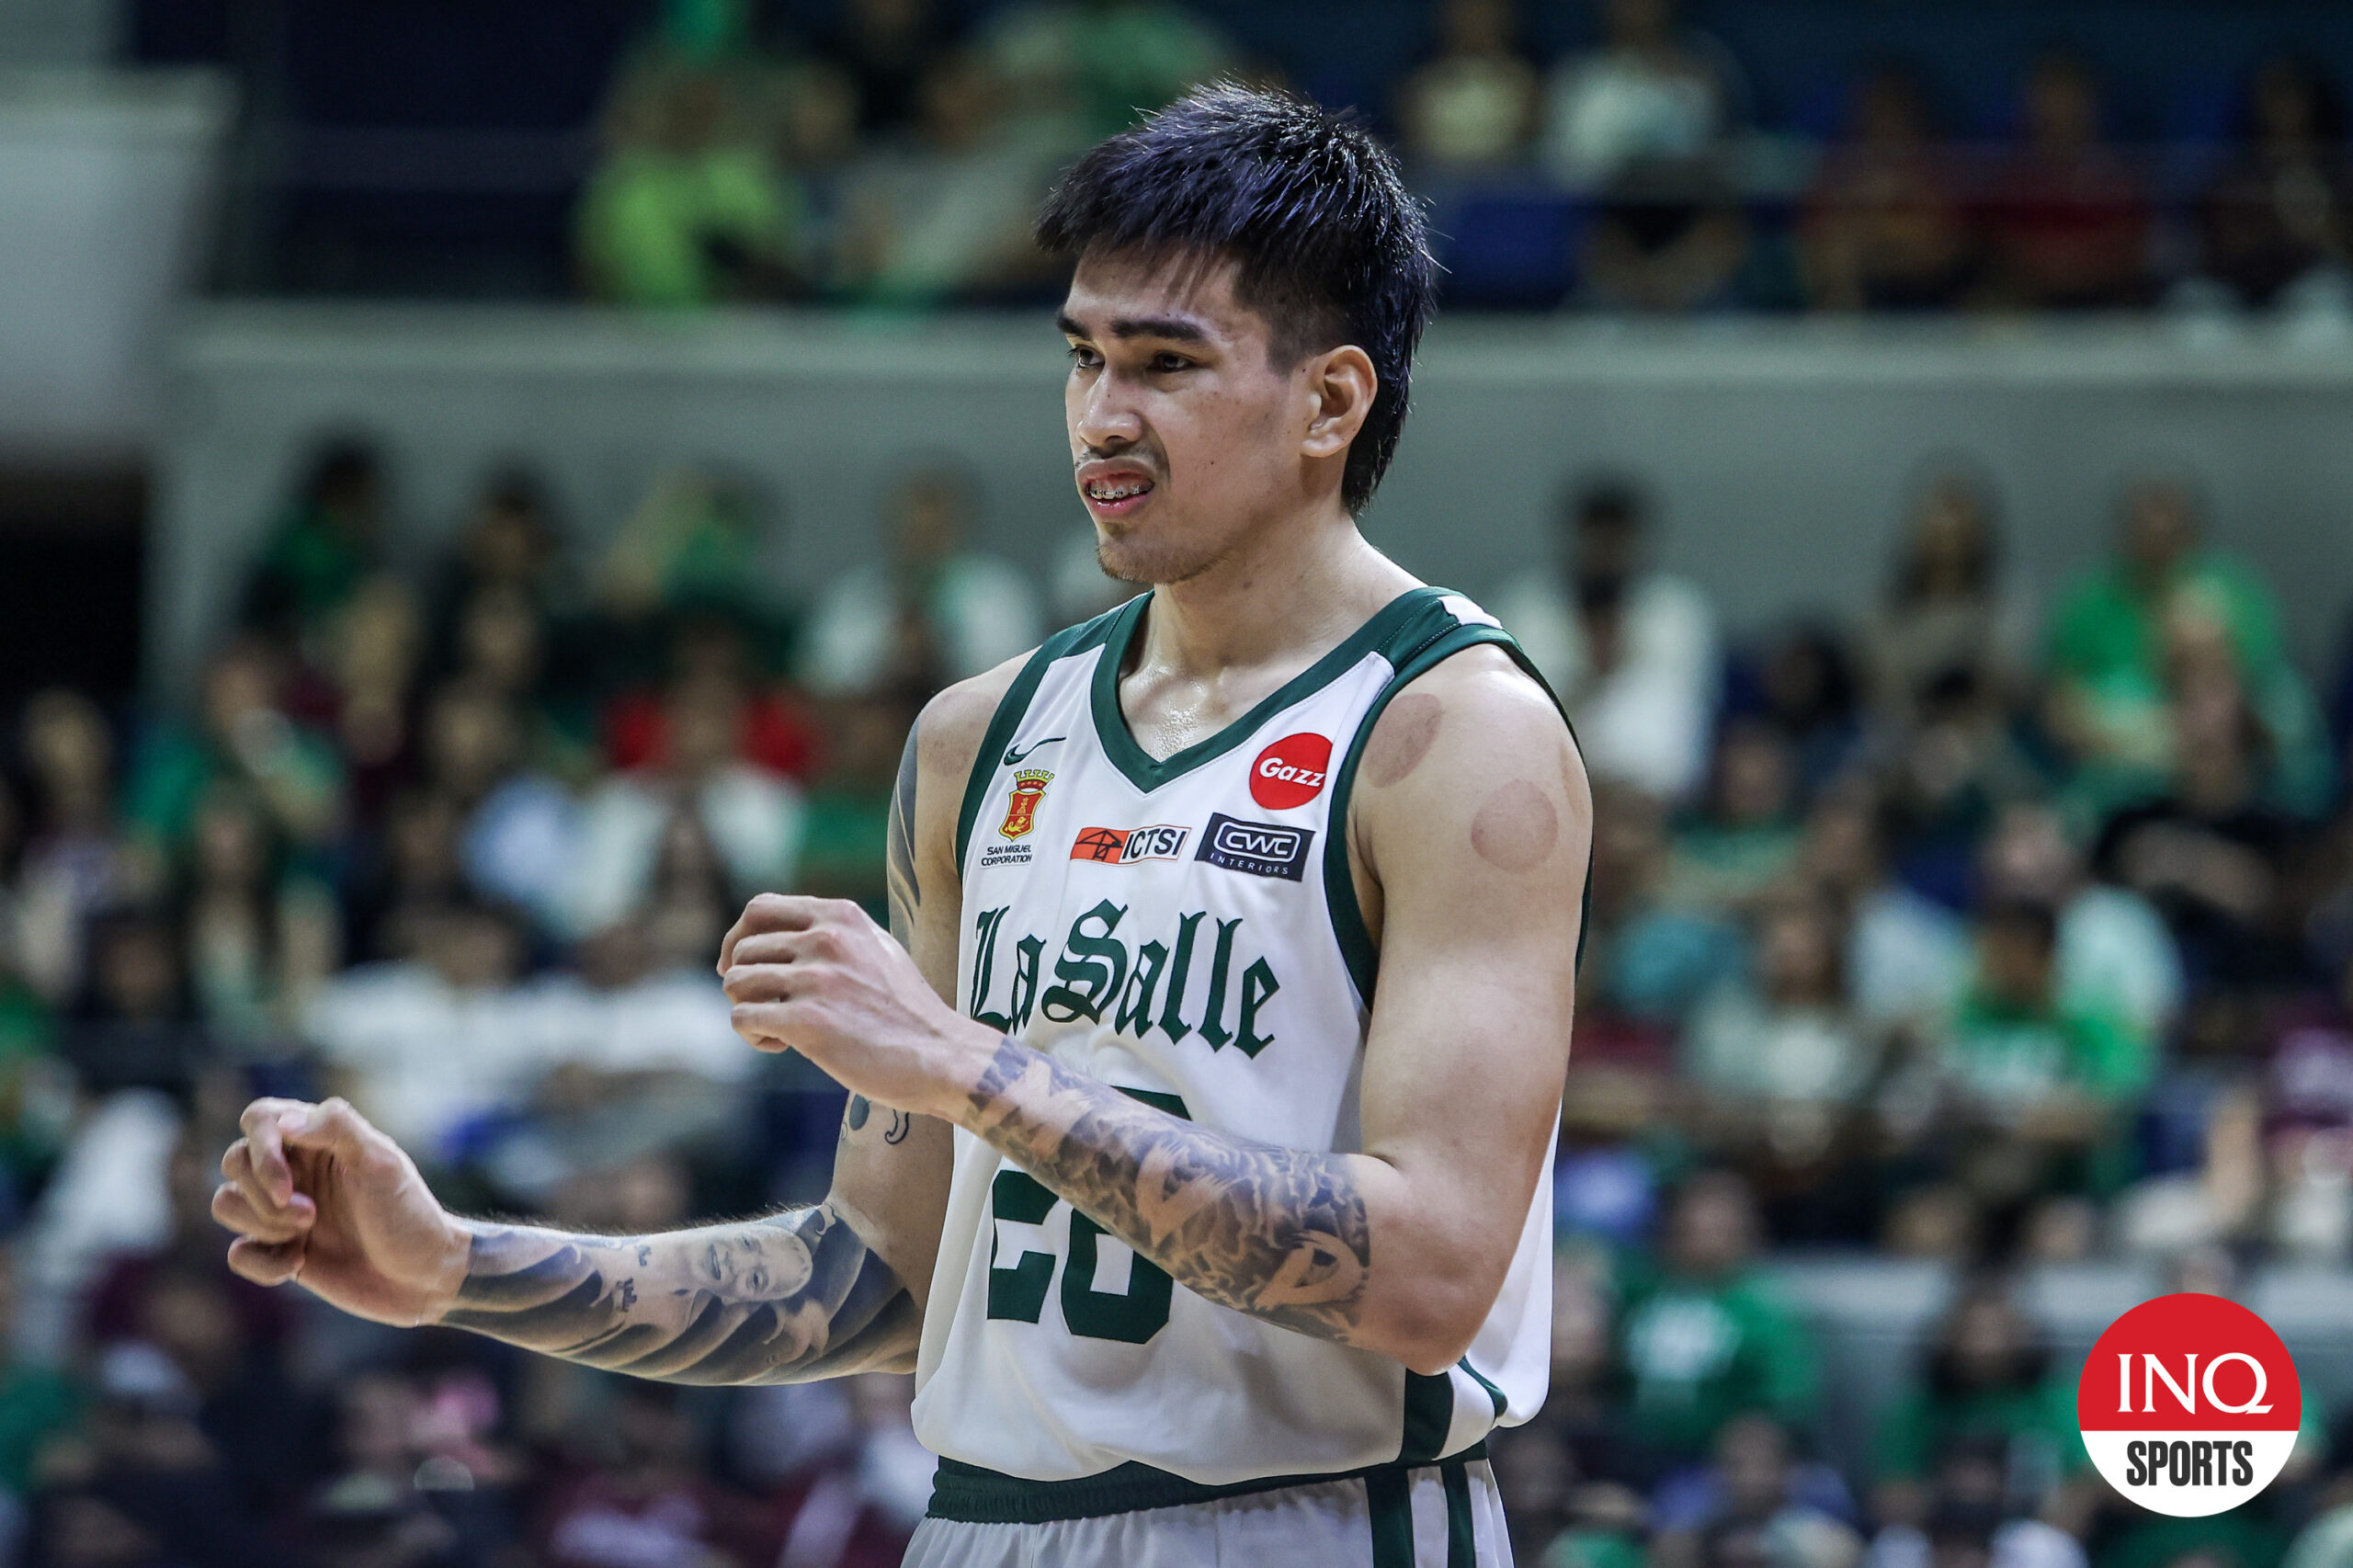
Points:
point(1149, 461)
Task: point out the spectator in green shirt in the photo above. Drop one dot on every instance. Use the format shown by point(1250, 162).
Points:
point(1745, 836)
point(35, 1095)
point(36, 1403)
point(1702, 1338)
point(244, 737)
point(2110, 644)
point(2042, 1085)
point(845, 845)
point(1091, 67)
point(2017, 1050)
point(1986, 1378)
point(327, 539)
point(688, 207)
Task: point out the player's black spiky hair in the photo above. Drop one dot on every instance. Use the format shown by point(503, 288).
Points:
point(1329, 245)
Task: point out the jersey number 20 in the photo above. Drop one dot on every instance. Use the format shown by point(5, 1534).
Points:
point(1017, 1289)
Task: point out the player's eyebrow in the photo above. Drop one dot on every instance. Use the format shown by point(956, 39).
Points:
point(1179, 328)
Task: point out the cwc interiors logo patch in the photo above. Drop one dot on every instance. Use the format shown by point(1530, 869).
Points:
point(2189, 1405)
point(1260, 849)
point(1021, 808)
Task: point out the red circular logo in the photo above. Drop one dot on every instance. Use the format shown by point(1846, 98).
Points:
point(1291, 772)
point(2189, 1404)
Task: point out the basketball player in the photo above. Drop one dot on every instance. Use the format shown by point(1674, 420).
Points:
point(1198, 1154)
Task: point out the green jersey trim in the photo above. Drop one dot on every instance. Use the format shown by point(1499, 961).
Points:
point(1430, 1411)
point(1148, 773)
point(1006, 720)
point(1494, 1395)
point(966, 1493)
point(1348, 927)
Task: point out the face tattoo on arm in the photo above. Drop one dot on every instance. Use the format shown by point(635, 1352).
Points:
point(782, 1300)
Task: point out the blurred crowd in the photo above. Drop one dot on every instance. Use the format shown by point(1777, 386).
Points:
point(460, 843)
point(897, 155)
point(1971, 932)
point(1685, 1428)
point(1986, 932)
point(2004, 934)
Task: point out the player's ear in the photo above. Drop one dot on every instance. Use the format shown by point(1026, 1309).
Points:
point(1342, 383)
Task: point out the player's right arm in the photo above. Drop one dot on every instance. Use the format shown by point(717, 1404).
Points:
point(318, 1196)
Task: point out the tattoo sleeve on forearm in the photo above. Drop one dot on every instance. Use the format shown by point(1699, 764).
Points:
point(782, 1300)
point(1278, 1233)
point(775, 1300)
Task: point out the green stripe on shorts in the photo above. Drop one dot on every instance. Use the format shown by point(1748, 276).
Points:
point(1388, 1506)
point(1461, 1542)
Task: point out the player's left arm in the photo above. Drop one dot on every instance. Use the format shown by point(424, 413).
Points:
point(1473, 827)
point(1471, 822)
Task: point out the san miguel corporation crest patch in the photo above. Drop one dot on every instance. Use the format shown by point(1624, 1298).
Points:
point(1021, 809)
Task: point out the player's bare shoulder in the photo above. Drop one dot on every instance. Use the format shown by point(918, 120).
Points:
point(938, 760)
point(953, 723)
point(1471, 771)
point(941, 752)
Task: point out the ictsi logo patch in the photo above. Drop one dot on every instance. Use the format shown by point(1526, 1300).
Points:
point(1122, 845)
point(1291, 771)
point(2189, 1405)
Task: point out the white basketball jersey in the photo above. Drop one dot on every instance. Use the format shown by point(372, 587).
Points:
point(1187, 930)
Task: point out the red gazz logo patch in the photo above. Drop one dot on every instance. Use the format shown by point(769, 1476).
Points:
point(2189, 1405)
point(1291, 771)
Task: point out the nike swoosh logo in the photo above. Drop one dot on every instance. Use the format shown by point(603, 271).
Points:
point(1013, 758)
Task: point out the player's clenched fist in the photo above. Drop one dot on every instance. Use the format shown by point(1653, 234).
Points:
point(820, 977)
point(319, 1197)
